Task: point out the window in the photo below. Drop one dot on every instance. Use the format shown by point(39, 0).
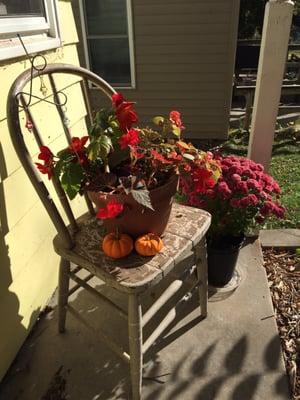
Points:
point(35, 20)
point(108, 40)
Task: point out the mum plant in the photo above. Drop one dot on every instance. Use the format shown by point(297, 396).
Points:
point(243, 195)
point(117, 157)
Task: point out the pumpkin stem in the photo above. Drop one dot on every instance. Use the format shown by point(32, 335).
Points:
point(117, 233)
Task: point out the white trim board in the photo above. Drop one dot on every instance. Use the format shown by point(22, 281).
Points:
point(39, 33)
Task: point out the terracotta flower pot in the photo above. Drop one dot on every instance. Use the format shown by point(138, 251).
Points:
point(136, 219)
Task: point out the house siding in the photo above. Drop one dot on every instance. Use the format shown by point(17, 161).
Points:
point(28, 264)
point(184, 60)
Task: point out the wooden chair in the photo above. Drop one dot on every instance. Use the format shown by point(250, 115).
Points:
point(78, 243)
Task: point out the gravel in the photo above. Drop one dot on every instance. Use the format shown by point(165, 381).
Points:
point(283, 271)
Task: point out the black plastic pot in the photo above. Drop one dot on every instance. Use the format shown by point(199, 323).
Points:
point(222, 257)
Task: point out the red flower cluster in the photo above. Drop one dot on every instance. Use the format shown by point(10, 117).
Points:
point(175, 118)
point(156, 156)
point(125, 112)
point(243, 193)
point(130, 138)
point(77, 144)
point(48, 158)
point(202, 179)
point(246, 184)
point(111, 210)
point(77, 147)
point(150, 158)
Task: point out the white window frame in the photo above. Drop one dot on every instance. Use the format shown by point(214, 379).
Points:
point(132, 84)
point(38, 33)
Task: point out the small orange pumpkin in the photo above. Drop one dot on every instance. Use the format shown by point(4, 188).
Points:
point(117, 245)
point(148, 245)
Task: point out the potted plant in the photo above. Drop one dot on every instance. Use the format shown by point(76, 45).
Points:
point(243, 195)
point(130, 173)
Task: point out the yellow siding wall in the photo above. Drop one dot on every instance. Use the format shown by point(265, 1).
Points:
point(28, 264)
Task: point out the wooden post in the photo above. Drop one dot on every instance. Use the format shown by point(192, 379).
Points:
point(273, 53)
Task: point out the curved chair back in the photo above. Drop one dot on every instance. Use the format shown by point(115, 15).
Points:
point(16, 101)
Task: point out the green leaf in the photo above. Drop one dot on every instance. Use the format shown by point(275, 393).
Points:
point(95, 131)
point(158, 120)
point(71, 179)
point(105, 146)
point(176, 130)
point(142, 197)
point(93, 150)
point(184, 145)
point(99, 147)
point(189, 157)
point(58, 168)
point(64, 154)
point(103, 118)
point(65, 157)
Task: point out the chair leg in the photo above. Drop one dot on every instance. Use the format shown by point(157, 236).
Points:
point(63, 293)
point(202, 276)
point(135, 344)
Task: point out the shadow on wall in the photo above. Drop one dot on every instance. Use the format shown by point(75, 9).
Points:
point(12, 332)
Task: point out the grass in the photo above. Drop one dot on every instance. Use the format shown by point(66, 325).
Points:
point(284, 167)
point(286, 170)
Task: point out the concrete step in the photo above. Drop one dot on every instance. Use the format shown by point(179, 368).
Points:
point(286, 238)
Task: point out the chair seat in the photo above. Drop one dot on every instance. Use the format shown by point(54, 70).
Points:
point(135, 273)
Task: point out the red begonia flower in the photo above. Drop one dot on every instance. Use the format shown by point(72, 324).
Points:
point(111, 210)
point(175, 118)
point(77, 144)
point(131, 138)
point(117, 99)
point(202, 179)
point(126, 115)
point(45, 154)
point(45, 169)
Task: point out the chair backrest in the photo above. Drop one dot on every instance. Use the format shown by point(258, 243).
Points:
point(16, 102)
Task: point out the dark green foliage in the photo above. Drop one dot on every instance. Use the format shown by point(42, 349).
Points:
point(252, 17)
point(71, 179)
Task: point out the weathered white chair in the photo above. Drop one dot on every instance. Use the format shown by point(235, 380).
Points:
point(78, 243)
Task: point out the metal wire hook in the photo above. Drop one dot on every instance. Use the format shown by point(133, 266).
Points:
point(39, 67)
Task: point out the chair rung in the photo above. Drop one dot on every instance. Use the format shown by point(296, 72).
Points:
point(119, 351)
point(76, 269)
point(97, 294)
point(77, 286)
point(168, 293)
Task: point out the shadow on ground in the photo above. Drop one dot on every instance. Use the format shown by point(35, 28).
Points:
point(217, 358)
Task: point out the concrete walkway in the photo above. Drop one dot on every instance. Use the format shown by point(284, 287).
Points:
point(234, 354)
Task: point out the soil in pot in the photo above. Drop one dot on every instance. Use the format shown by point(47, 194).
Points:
point(136, 219)
point(222, 255)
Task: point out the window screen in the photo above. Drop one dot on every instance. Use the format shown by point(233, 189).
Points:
point(108, 41)
point(21, 8)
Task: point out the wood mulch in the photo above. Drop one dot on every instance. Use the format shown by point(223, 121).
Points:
point(283, 271)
